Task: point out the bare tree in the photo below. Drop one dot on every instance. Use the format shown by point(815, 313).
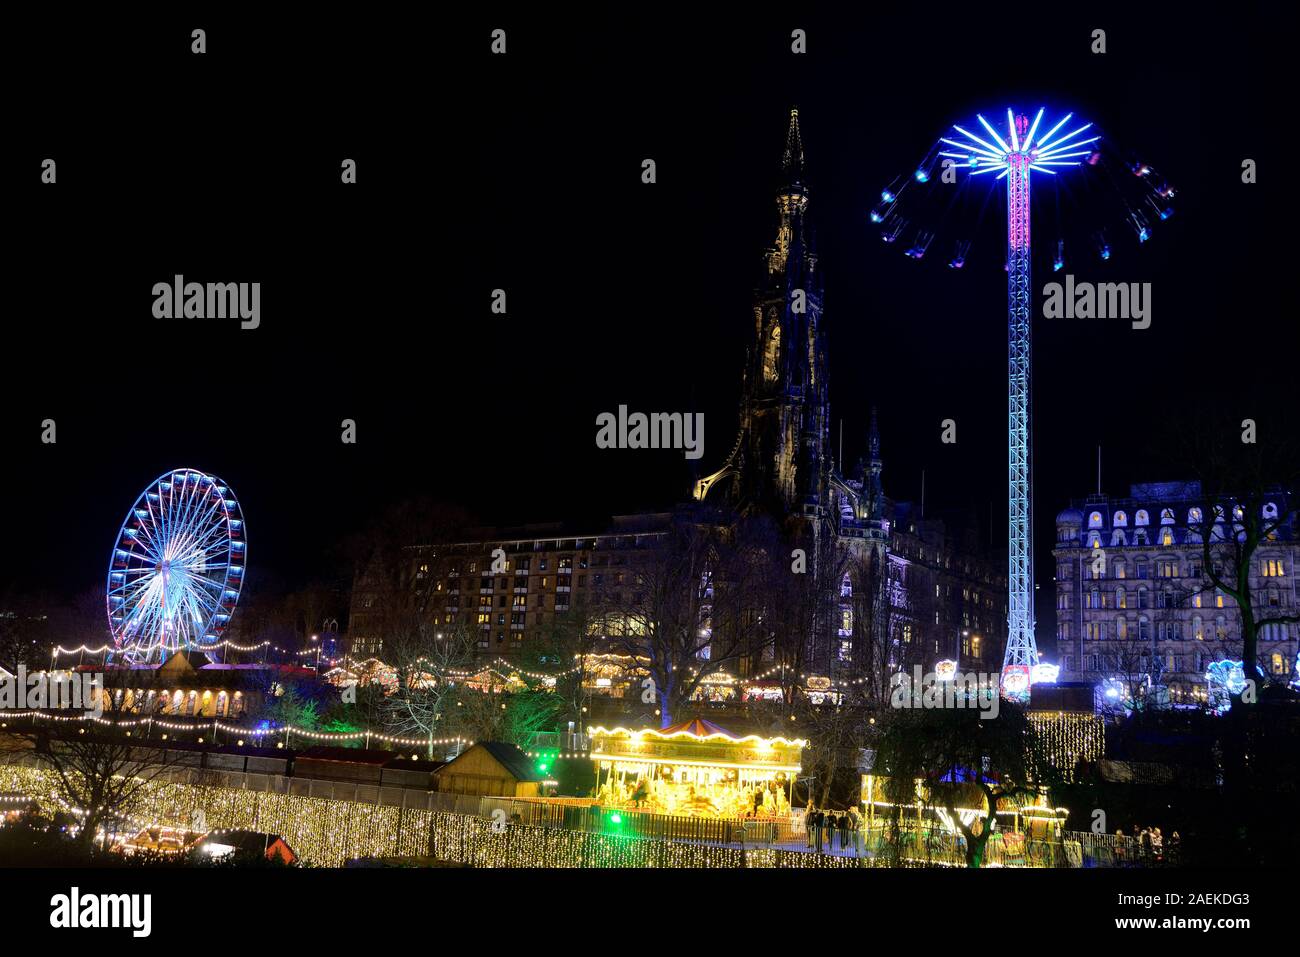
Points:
point(431, 664)
point(1244, 503)
point(691, 607)
point(98, 771)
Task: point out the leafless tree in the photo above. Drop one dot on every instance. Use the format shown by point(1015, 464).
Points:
point(692, 607)
point(98, 771)
point(1245, 501)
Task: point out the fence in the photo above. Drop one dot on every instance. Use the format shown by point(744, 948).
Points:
point(585, 815)
point(461, 839)
point(930, 846)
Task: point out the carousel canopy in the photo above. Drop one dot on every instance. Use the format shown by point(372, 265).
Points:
point(698, 727)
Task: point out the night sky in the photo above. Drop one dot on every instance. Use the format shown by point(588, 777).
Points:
point(523, 172)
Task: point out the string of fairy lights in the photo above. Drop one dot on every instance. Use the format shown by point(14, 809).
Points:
point(257, 734)
point(328, 832)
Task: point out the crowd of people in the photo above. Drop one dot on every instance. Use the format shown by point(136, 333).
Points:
point(1149, 845)
point(829, 830)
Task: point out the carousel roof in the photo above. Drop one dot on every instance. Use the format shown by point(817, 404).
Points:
point(700, 730)
point(698, 727)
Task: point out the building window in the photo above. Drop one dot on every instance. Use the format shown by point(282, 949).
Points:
point(1142, 518)
point(1121, 598)
point(1144, 628)
point(1272, 568)
point(1121, 628)
point(1095, 520)
point(1166, 516)
point(1198, 628)
point(1118, 567)
point(1120, 519)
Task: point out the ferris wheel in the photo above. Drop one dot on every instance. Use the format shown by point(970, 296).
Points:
point(176, 568)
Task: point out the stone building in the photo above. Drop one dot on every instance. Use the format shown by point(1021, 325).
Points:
point(1134, 606)
point(916, 589)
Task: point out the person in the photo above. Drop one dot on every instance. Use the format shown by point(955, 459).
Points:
point(844, 831)
point(1157, 844)
point(819, 820)
point(1175, 844)
point(810, 821)
point(758, 799)
point(1144, 843)
point(855, 830)
point(1120, 840)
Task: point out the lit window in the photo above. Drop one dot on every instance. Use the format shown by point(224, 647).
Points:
point(1142, 518)
point(1121, 518)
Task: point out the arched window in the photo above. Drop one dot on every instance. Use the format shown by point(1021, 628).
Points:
point(1117, 537)
point(1194, 516)
point(1166, 536)
point(1142, 518)
point(1121, 519)
point(846, 587)
point(1166, 516)
point(1095, 520)
point(1094, 540)
point(1121, 598)
point(1121, 628)
point(1198, 628)
point(1270, 510)
point(1144, 628)
point(1142, 597)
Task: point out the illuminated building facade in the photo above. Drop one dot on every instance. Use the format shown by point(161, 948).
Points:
point(1135, 607)
point(916, 590)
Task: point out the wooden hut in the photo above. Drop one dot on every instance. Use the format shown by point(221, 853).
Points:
point(490, 768)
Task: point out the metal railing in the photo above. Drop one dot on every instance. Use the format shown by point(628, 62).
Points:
point(581, 814)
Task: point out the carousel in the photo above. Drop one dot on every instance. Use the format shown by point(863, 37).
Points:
point(695, 769)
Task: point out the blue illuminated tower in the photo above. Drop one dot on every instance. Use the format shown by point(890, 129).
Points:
point(1015, 161)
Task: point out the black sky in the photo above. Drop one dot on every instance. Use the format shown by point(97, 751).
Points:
point(523, 173)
